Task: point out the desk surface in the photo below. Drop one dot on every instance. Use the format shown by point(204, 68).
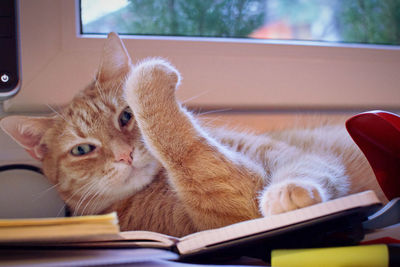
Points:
point(101, 257)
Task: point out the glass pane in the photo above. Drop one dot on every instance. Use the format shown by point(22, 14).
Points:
point(362, 21)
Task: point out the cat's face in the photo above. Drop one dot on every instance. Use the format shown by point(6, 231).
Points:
point(92, 149)
point(95, 152)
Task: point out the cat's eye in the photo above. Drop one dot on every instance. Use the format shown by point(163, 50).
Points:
point(82, 149)
point(125, 117)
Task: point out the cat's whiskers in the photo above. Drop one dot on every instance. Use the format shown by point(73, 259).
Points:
point(84, 196)
point(102, 182)
point(62, 207)
point(213, 111)
point(86, 188)
point(97, 192)
point(97, 197)
point(41, 194)
point(75, 192)
point(57, 113)
point(195, 96)
point(206, 122)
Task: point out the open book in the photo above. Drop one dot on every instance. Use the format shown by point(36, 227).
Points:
point(332, 223)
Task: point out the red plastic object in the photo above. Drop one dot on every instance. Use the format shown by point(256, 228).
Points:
point(383, 240)
point(377, 133)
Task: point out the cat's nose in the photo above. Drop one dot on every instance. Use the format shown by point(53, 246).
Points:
point(124, 157)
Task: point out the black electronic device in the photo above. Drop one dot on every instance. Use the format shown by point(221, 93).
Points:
point(10, 76)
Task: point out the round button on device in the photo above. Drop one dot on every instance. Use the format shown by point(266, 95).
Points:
point(4, 78)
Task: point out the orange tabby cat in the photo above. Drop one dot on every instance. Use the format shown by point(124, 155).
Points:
point(126, 144)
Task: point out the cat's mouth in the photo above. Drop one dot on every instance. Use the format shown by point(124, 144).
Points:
point(135, 173)
point(139, 177)
point(132, 172)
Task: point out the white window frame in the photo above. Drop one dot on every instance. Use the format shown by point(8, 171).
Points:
point(57, 61)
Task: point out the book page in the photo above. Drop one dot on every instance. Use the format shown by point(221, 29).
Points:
point(126, 239)
point(198, 241)
point(115, 244)
point(149, 236)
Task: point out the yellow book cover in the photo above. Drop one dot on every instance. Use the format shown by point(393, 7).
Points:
point(58, 229)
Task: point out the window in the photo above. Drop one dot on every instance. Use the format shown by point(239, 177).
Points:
point(365, 21)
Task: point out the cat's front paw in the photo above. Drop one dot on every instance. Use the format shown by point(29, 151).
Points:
point(287, 196)
point(153, 77)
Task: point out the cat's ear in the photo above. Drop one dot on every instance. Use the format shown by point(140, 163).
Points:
point(115, 61)
point(27, 132)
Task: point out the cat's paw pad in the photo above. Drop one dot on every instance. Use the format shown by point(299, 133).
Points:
point(158, 74)
point(289, 196)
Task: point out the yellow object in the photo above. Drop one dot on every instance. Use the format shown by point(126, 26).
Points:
point(58, 229)
point(110, 217)
point(365, 256)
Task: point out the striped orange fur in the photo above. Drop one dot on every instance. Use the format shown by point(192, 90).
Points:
point(126, 144)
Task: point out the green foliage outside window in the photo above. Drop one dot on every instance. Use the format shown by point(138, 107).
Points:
point(358, 21)
point(372, 21)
